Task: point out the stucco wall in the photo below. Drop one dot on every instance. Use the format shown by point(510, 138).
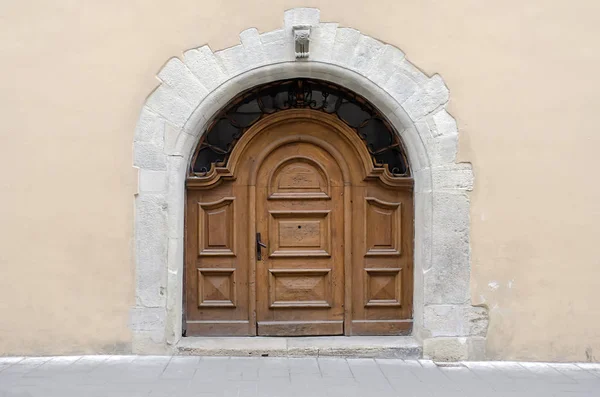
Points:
point(522, 82)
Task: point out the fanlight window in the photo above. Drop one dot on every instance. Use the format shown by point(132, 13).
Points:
point(217, 143)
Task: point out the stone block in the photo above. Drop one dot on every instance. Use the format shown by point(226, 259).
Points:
point(177, 169)
point(152, 181)
point(453, 177)
point(442, 150)
point(175, 256)
point(366, 54)
point(429, 97)
point(322, 39)
point(447, 281)
point(414, 72)
point(423, 180)
point(346, 40)
point(174, 302)
point(386, 65)
point(455, 320)
point(198, 121)
point(446, 349)
point(400, 86)
point(151, 249)
point(423, 230)
point(176, 75)
point(253, 48)
point(441, 123)
point(148, 342)
point(272, 37)
point(149, 128)
point(250, 38)
point(234, 60)
point(477, 348)
point(147, 319)
point(149, 156)
point(165, 101)
point(178, 142)
point(202, 62)
point(277, 46)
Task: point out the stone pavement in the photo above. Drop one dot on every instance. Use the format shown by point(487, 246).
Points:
point(111, 376)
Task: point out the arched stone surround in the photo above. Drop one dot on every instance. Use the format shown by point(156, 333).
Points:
point(193, 90)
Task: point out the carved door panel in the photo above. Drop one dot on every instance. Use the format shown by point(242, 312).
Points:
point(300, 215)
point(382, 255)
point(216, 291)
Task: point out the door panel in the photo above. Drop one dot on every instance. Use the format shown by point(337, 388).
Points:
point(382, 269)
point(216, 273)
point(299, 201)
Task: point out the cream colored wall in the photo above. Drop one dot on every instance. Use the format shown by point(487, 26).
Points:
point(523, 82)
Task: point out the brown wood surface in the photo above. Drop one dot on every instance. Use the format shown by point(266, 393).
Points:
point(382, 260)
point(338, 233)
point(300, 215)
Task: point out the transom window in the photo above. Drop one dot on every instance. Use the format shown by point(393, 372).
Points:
point(222, 134)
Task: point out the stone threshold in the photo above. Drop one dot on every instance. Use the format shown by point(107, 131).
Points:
point(405, 347)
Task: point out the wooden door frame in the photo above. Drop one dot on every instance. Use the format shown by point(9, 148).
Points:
point(235, 169)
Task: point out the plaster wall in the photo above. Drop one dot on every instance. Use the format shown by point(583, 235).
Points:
point(523, 91)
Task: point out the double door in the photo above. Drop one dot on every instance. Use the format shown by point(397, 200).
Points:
point(295, 248)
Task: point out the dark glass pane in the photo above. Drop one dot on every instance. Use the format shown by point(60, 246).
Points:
point(246, 114)
point(222, 134)
point(205, 158)
point(394, 160)
point(267, 103)
point(377, 135)
point(352, 114)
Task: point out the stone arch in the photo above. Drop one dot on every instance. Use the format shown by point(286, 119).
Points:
point(194, 89)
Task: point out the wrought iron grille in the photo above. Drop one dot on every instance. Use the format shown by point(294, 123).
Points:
point(382, 142)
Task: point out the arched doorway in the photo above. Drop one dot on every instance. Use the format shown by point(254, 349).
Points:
point(299, 218)
point(196, 87)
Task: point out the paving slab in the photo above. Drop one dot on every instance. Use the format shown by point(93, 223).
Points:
point(208, 376)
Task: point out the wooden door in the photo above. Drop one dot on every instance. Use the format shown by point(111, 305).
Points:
point(382, 271)
point(217, 277)
point(338, 236)
point(300, 218)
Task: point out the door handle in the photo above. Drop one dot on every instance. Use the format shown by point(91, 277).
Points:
point(259, 245)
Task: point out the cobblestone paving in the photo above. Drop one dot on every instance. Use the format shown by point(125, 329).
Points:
point(162, 376)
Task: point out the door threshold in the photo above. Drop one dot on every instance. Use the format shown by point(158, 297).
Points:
point(405, 347)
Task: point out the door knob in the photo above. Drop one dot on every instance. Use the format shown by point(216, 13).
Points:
point(259, 245)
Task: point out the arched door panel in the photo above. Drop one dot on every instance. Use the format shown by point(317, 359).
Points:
point(300, 214)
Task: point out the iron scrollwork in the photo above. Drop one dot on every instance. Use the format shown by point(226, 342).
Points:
point(382, 142)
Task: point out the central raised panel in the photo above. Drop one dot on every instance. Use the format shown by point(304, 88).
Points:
point(296, 288)
point(383, 287)
point(216, 287)
point(216, 228)
point(299, 233)
point(299, 178)
point(383, 227)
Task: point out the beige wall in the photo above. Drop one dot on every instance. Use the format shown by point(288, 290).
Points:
point(523, 83)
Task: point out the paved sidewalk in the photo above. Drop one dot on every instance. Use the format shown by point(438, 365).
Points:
point(111, 376)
